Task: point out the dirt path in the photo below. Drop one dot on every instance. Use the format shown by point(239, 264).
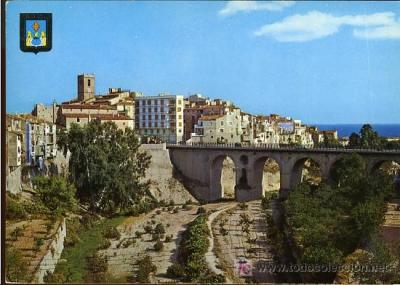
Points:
point(211, 258)
point(235, 245)
point(122, 259)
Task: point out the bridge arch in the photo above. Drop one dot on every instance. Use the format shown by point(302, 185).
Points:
point(306, 168)
point(392, 165)
point(266, 168)
point(223, 176)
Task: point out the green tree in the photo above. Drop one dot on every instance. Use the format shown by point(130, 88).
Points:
point(106, 165)
point(55, 193)
point(354, 141)
point(369, 138)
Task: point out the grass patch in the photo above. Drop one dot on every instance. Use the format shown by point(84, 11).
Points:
point(90, 239)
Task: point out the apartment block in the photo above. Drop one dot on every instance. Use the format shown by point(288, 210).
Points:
point(160, 116)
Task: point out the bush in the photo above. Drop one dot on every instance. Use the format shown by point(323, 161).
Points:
point(16, 268)
point(176, 271)
point(148, 229)
point(138, 234)
point(145, 267)
point(171, 203)
point(159, 229)
point(158, 246)
point(158, 212)
point(176, 210)
point(201, 210)
point(168, 238)
point(56, 193)
point(111, 232)
point(105, 244)
point(128, 243)
point(96, 266)
point(14, 210)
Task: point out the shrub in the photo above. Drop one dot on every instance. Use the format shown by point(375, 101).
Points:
point(105, 244)
point(176, 210)
point(148, 229)
point(96, 266)
point(158, 246)
point(158, 212)
point(138, 234)
point(111, 232)
point(145, 267)
point(128, 242)
point(15, 266)
point(243, 206)
point(201, 210)
point(171, 203)
point(168, 238)
point(176, 271)
point(155, 237)
point(159, 229)
point(14, 210)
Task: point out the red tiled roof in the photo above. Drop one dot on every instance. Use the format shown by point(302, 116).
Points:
point(86, 106)
point(105, 117)
point(210, 117)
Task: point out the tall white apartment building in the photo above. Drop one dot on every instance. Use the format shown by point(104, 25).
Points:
point(160, 116)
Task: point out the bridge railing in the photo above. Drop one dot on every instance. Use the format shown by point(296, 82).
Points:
point(280, 146)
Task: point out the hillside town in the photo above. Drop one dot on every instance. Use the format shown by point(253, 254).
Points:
point(31, 138)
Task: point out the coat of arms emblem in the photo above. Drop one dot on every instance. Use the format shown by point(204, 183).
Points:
point(35, 32)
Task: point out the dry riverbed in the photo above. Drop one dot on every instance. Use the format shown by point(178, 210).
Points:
point(233, 243)
point(125, 252)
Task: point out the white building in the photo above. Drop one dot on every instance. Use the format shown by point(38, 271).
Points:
point(160, 116)
point(223, 128)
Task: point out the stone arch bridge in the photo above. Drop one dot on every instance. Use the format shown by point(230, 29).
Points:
point(202, 165)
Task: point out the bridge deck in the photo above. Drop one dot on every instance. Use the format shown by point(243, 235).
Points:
point(281, 148)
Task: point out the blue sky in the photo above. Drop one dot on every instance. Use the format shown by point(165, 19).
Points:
point(321, 62)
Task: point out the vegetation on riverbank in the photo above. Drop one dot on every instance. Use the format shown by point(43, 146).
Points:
point(328, 223)
point(82, 243)
point(192, 250)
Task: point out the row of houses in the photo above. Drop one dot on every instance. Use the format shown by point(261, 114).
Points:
point(174, 118)
point(29, 140)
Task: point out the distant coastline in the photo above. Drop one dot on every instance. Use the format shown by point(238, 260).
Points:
point(345, 130)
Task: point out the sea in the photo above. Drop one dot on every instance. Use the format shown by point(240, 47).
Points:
point(345, 130)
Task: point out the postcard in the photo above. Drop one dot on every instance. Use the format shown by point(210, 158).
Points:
point(201, 142)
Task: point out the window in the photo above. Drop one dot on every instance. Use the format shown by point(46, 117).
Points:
point(156, 124)
point(148, 102)
point(179, 109)
point(149, 117)
point(88, 82)
point(156, 117)
point(180, 117)
point(221, 130)
point(162, 109)
point(155, 109)
point(149, 110)
point(179, 102)
point(78, 120)
point(144, 117)
point(144, 110)
point(180, 124)
point(180, 131)
point(162, 117)
point(231, 136)
point(222, 123)
point(212, 137)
